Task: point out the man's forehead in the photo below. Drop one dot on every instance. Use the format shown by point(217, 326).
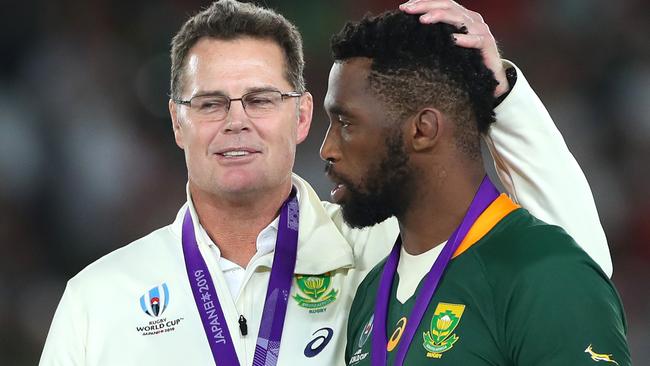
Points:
point(235, 66)
point(356, 66)
point(210, 50)
point(347, 79)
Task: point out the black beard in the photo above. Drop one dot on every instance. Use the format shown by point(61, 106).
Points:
point(388, 189)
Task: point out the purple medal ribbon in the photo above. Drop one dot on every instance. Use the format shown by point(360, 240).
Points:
point(207, 302)
point(485, 195)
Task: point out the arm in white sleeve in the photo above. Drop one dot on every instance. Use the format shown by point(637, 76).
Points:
point(536, 167)
point(65, 345)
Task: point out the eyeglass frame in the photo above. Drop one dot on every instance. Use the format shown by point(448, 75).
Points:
point(289, 94)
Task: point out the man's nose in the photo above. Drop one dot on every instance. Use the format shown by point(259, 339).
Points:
point(236, 120)
point(329, 150)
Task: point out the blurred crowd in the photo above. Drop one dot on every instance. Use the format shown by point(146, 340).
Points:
point(88, 162)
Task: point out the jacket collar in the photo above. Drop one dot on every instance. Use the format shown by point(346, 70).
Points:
point(321, 246)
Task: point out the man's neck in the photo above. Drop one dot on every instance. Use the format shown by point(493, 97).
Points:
point(439, 207)
point(234, 224)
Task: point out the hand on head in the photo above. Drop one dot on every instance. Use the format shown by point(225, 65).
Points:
point(475, 32)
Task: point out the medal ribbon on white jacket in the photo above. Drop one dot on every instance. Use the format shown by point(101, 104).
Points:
point(267, 348)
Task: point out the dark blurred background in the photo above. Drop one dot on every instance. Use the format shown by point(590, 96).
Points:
point(88, 162)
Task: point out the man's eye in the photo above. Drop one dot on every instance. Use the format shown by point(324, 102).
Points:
point(260, 102)
point(344, 122)
point(211, 104)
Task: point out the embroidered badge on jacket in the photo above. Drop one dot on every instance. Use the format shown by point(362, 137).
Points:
point(314, 292)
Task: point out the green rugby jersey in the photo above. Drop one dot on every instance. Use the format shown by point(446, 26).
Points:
point(524, 294)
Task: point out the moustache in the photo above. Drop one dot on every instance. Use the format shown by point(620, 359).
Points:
point(337, 177)
point(329, 166)
point(331, 174)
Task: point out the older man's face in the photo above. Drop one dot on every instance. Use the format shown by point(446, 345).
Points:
point(239, 154)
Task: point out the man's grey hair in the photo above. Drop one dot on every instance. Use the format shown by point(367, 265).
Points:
point(229, 20)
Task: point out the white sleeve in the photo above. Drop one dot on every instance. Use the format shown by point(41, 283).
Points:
point(540, 173)
point(65, 344)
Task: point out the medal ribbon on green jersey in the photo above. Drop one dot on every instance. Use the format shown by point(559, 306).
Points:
point(485, 195)
point(267, 348)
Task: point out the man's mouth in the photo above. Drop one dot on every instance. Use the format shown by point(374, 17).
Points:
point(235, 153)
point(340, 189)
point(338, 193)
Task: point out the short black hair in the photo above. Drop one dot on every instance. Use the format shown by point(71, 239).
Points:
point(229, 20)
point(415, 65)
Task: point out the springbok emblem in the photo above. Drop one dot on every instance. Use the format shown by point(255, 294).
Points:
point(598, 356)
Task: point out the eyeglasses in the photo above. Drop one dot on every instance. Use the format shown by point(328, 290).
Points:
point(257, 104)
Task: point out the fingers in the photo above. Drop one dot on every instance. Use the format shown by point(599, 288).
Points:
point(427, 6)
point(469, 40)
point(476, 32)
point(434, 11)
point(443, 16)
point(421, 6)
point(446, 11)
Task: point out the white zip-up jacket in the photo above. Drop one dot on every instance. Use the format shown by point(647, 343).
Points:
point(134, 306)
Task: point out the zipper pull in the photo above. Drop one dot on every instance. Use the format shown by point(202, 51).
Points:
point(243, 328)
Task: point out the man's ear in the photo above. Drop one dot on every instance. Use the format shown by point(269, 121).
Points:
point(176, 126)
point(305, 111)
point(426, 128)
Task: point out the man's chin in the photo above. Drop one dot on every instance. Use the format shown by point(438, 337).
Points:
point(234, 189)
point(237, 187)
point(360, 218)
point(243, 181)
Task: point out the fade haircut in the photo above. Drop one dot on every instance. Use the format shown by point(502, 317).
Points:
point(229, 20)
point(416, 65)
